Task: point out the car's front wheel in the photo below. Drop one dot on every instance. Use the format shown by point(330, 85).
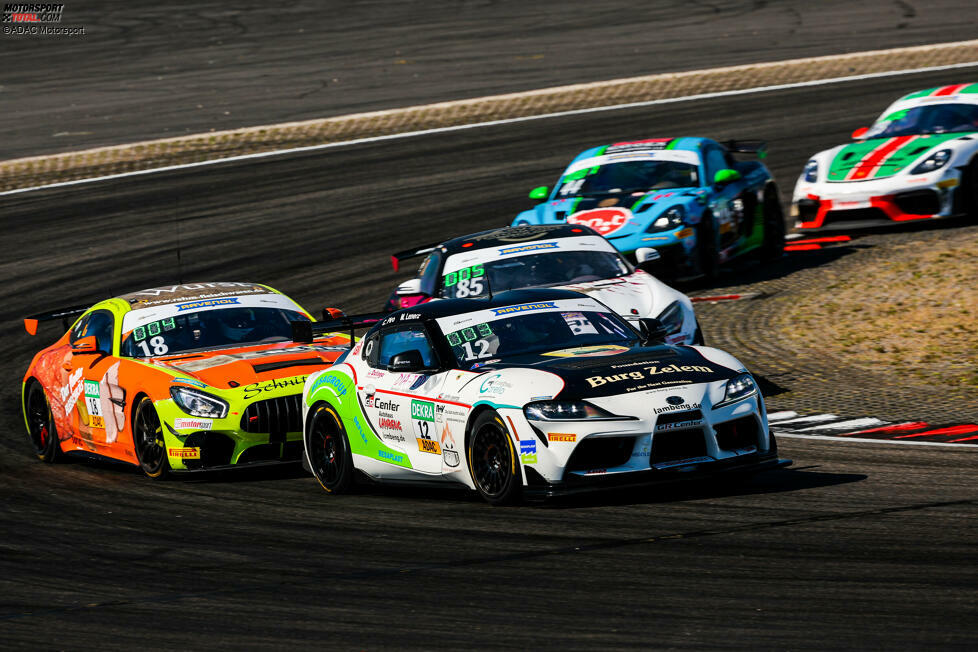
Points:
point(969, 186)
point(772, 247)
point(706, 247)
point(41, 431)
point(147, 439)
point(492, 461)
point(329, 453)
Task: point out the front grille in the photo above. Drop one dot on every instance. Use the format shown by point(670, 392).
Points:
point(601, 453)
point(673, 445)
point(215, 449)
point(919, 202)
point(276, 416)
point(807, 209)
point(288, 452)
point(739, 433)
point(856, 215)
point(678, 417)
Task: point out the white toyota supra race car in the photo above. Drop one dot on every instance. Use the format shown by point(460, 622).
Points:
point(568, 256)
point(918, 161)
point(538, 391)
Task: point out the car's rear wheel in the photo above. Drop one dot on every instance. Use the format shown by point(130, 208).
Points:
point(772, 247)
point(969, 186)
point(41, 431)
point(329, 453)
point(493, 462)
point(147, 439)
point(706, 247)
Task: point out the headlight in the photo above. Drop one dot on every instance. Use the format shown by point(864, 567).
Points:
point(670, 219)
point(935, 161)
point(199, 404)
point(672, 318)
point(566, 411)
point(811, 171)
point(738, 388)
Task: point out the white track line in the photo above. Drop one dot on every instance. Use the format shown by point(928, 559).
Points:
point(850, 424)
point(902, 442)
point(441, 130)
point(812, 419)
point(781, 416)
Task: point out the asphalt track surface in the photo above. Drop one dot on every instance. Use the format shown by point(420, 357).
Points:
point(856, 546)
point(150, 70)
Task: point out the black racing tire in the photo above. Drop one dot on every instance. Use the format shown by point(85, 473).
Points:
point(147, 440)
point(772, 444)
point(41, 431)
point(328, 449)
point(493, 461)
point(706, 247)
point(772, 247)
point(969, 189)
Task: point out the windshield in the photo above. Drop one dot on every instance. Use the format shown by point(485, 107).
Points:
point(627, 177)
point(929, 119)
point(534, 270)
point(209, 328)
point(490, 337)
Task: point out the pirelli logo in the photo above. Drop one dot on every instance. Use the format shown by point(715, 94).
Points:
point(185, 453)
point(561, 436)
point(429, 446)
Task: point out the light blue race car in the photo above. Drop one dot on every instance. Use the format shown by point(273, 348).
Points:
point(684, 201)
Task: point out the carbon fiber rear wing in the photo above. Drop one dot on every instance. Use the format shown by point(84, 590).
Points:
point(416, 252)
point(64, 314)
point(756, 147)
point(305, 332)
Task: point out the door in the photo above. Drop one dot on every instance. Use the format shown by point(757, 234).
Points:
point(727, 201)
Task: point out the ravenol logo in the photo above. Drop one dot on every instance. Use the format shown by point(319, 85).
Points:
point(207, 303)
point(530, 247)
point(422, 411)
point(508, 310)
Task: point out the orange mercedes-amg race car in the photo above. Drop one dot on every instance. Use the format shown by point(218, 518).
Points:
point(185, 377)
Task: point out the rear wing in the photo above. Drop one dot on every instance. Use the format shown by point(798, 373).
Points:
point(66, 316)
point(416, 252)
point(306, 331)
point(756, 147)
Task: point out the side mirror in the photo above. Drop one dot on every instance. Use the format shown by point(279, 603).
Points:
point(860, 133)
point(85, 345)
point(652, 330)
point(407, 362)
point(540, 192)
point(412, 286)
point(725, 176)
point(646, 255)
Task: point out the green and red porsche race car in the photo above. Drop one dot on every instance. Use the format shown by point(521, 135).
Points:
point(186, 377)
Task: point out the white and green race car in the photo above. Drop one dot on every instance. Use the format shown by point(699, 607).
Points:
point(541, 391)
point(918, 161)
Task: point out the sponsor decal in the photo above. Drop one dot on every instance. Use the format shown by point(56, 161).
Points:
point(93, 402)
point(423, 410)
point(493, 385)
point(603, 220)
point(525, 307)
point(679, 425)
point(596, 472)
point(192, 424)
point(255, 389)
point(528, 451)
point(588, 351)
point(368, 398)
point(428, 446)
point(185, 453)
point(649, 372)
point(207, 303)
point(562, 436)
point(633, 145)
point(530, 247)
point(360, 431)
point(382, 404)
point(389, 423)
point(391, 457)
point(374, 373)
point(189, 381)
point(677, 407)
point(332, 381)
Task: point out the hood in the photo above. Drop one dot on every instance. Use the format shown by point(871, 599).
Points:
point(230, 368)
point(629, 296)
point(596, 371)
point(878, 158)
point(616, 217)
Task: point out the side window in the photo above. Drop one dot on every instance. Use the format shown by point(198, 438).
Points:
point(99, 324)
point(428, 272)
point(716, 160)
point(405, 338)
